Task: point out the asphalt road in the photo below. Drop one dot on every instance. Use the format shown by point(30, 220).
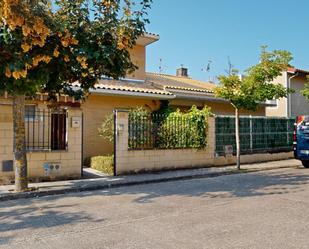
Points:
point(268, 209)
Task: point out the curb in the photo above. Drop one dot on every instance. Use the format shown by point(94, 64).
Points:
point(35, 194)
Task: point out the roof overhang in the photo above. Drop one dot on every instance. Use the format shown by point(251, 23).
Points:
point(129, 94)
point(147, 38)
point(293, 70)
point(126, 88)
point(199, 96)
point(267, 104)
point(186, 95)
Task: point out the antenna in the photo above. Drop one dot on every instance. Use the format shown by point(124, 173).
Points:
point(207, 68)
point(230, 68)
point(162, 68)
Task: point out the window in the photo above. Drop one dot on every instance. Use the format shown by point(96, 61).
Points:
point(46, 129)
point(30, 112)
point(272, 103)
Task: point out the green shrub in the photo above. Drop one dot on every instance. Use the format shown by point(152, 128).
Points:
point(104, 164)
point(168, 129)
point(106, 130)
point(139, 127)
point(184, 129)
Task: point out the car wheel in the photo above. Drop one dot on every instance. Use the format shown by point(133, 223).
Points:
point(305, 164)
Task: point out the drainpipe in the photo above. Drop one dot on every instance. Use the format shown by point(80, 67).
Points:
point(289, 96)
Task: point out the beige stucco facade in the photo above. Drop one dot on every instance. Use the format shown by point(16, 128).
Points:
point(295, 104)
point(138, 57)
point(280, 110)
point(218, 108)
point(299, 104)
point(69, 161)
point(97, 107)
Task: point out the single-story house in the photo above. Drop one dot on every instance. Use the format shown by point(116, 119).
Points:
point(143, 89)
point(180, 90)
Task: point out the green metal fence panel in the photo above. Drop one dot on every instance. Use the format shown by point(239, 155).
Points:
point(257, 134)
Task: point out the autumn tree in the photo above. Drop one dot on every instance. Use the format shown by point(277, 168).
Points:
point(45, 48)
point(255, 87)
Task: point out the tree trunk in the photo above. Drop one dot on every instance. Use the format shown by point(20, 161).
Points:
point(237, 138)
point(19, 143)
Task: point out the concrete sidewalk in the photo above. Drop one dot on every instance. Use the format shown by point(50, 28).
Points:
point(61, 187)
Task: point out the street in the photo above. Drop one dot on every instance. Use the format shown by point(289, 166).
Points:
point(268, 209)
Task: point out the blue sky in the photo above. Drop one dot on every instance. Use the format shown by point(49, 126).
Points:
point(193, 32)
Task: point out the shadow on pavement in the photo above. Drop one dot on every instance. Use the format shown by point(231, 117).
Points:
point(26, 214)
point(239, 185)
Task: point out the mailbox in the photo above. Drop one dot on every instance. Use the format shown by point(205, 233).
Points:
point(76, 122)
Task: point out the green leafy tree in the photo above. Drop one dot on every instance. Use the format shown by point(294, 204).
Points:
point(305, 91)
point(45, 48)
point(106, 130)
point(256, 87)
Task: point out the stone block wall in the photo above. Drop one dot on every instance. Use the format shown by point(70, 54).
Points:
point(131, 161)
point(128, 161)
point(68, 161)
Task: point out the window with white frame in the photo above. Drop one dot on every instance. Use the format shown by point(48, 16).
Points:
point(272, 102)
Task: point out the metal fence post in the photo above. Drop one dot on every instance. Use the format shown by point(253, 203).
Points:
point(251, 135)
point(216, 134)
point(115, 142)
point(287, 131)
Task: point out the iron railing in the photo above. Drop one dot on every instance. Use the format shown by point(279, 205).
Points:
point(45, 129)
point(161, 131)
point(257, 134)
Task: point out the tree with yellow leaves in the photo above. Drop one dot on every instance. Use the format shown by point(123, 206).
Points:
point(45, 48)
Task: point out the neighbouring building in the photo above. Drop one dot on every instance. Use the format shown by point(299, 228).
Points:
point(295, 104)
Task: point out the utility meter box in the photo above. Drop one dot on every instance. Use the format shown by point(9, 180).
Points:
point(228, 150)
point(76, 121)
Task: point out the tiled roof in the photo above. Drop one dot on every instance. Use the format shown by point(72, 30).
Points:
point(153, 34)
point(158, 84)
point(180, 83)
point(128, 86)
point(295, 70)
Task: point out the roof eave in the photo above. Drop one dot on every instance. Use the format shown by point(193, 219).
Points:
point(147, 39)
point(293, 70)
point(124, 93)
point(185, 95)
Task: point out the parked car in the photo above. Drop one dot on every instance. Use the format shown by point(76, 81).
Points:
point(301, 140)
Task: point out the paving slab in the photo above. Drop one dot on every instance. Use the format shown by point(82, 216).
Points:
point(61, 187)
